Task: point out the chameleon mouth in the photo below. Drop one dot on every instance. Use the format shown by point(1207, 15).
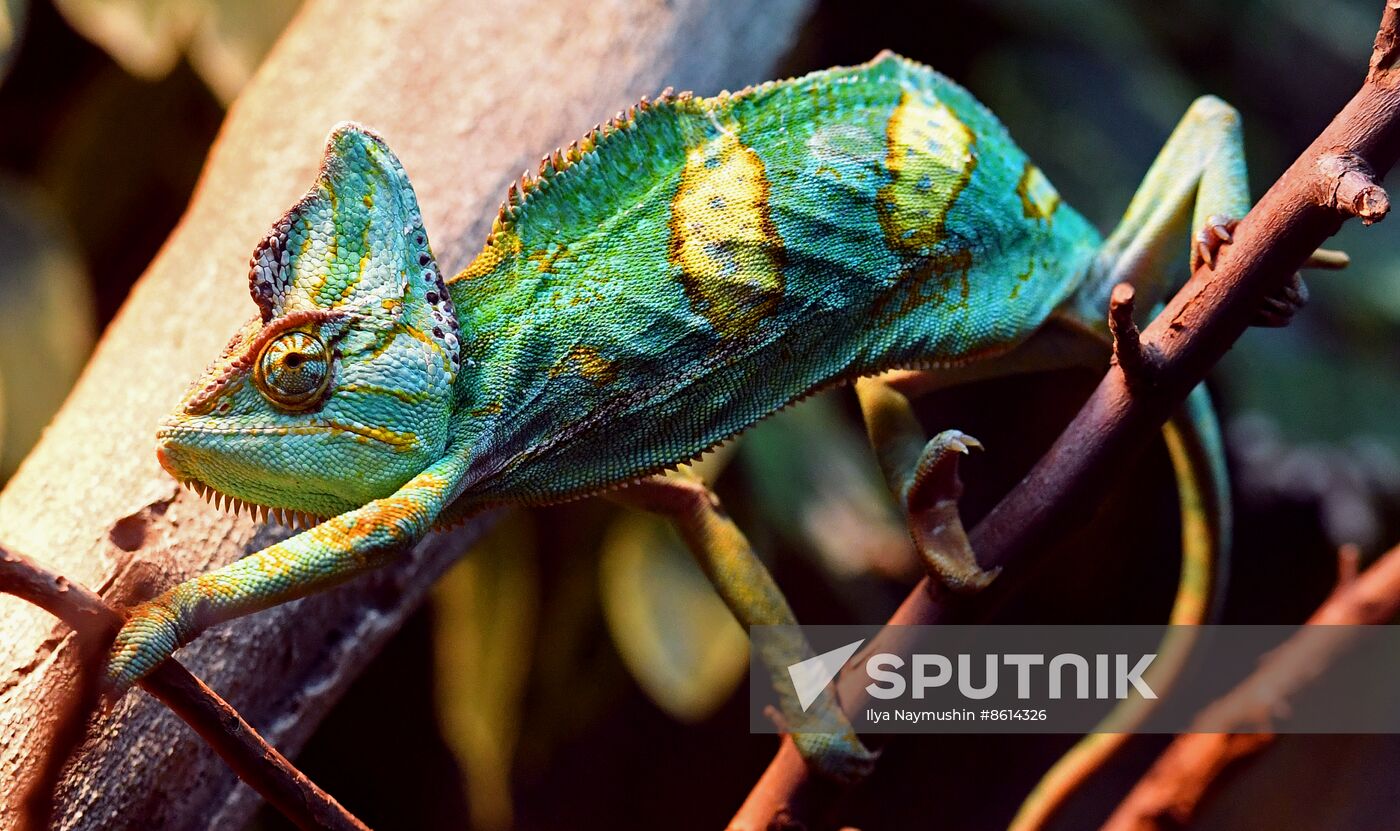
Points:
point(286, 517)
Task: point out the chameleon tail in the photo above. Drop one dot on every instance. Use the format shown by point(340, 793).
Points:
point(1193, 442)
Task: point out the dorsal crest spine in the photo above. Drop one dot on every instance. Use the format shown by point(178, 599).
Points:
point(668, 103)
point(520, 192)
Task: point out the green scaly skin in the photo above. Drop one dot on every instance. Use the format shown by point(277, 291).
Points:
point(661, 285)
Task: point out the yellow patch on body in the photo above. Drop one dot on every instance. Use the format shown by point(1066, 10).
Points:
point(929, 154)
point(504, 245)
point(1039, 199)
point(398, 440)
point(1021, 280)
point(723, 238)
point(586, 362)
point(544, 259)
point(405, 507)
point(406, 396)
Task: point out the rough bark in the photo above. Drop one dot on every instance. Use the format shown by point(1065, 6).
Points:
point(469, 94)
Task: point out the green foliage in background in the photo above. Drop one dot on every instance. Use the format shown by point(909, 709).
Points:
point(12, 17)
point(46, 325)
point(485, 614)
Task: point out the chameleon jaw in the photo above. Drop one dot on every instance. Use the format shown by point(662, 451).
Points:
point(287, 518)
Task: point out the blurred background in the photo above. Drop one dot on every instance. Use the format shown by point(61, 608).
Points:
point(576, 670)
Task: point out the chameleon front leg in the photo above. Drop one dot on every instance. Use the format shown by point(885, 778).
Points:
point(330, 553)
point(924, 478)
point(751, 594)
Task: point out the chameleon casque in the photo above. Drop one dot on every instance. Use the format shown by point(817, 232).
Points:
point(682, 272)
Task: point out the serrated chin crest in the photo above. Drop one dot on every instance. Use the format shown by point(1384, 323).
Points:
point(286, 517)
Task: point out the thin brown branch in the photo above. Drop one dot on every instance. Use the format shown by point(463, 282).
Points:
point(1128, 351)
point(247, 753)
point(1333, 179)
point(1171, 792)
point(1348, 564)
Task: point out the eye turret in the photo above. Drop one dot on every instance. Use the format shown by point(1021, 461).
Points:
point(293, 371)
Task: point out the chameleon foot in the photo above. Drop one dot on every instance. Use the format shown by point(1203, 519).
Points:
point(1218, 231)
point(1278, 308)
point(151, 634)
point(931, 502)
point(838, 756)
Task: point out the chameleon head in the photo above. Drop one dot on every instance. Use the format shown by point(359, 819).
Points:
point(340, 390)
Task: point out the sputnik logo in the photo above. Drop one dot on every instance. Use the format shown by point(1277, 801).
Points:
point(811, 676)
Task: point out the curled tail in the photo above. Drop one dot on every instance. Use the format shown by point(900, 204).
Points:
point(1197, 456)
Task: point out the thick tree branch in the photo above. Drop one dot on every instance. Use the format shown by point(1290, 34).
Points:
point(1333, 179)
point(248, 754)
point(469, 93)
point(1170, 793)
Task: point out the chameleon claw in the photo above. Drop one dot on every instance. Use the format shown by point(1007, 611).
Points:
point(1278, 308)
point(837, 756)
point(931, 503)
point(1218, 231)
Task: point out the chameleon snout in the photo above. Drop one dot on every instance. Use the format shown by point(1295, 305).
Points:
point(166, 463)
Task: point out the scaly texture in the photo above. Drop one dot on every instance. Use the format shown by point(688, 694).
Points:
point(684, 271)
point(91, 500)
point(689, 269)
point(710, 260)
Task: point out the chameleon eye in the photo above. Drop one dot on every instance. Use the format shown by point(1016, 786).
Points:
point(293, 370)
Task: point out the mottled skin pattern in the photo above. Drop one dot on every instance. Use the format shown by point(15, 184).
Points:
point(774, 242)
point(679, 274)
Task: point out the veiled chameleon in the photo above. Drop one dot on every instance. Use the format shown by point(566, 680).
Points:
point(677, 275)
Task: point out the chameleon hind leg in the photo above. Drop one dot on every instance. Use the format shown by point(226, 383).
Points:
point(1200, 181)
point(746, 587)
point(316, 559)
point(923, 475)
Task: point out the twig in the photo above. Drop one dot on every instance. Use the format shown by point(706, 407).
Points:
point(1333, 179)
point(1128, 351)
point(1173, 789)
point(247, 753)
point(1348, 564)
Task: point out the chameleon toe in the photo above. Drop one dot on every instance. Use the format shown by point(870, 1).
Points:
point(1218, 232)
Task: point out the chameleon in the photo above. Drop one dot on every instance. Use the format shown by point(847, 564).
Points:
point(683, 271)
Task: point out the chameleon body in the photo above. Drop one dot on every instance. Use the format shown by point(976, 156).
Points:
point(751, 248)
point(685, 270)
point(698, 265)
